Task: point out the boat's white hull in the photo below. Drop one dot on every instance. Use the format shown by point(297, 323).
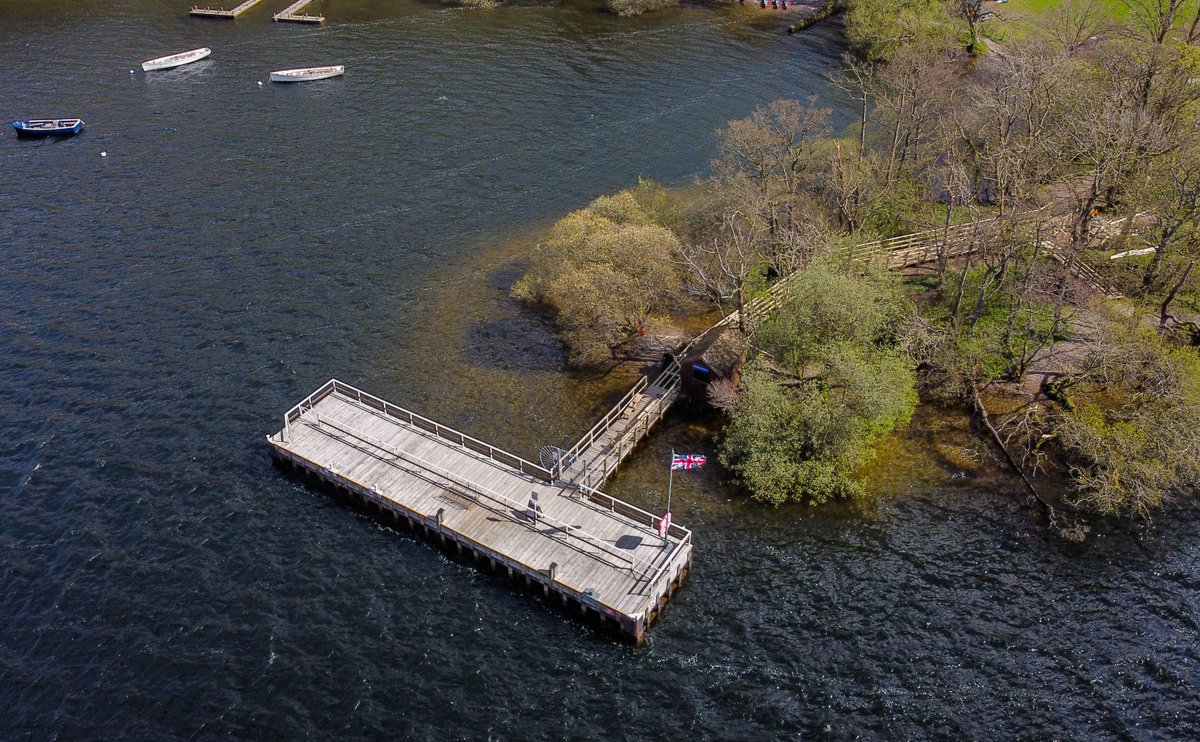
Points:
point(306, 74)
point(176, 60)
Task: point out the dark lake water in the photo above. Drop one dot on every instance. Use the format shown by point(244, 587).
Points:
point(160, 307)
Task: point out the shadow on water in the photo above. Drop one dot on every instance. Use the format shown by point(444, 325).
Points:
point(520, 339)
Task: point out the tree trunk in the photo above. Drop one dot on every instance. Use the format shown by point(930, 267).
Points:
point(741, 309)
point(943, 257)
point(1164, 314)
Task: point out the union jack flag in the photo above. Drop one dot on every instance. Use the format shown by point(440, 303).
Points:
point(688, 461)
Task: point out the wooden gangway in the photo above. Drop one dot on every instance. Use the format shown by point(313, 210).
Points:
point(594, 553)
point(223, 13)
point(896, 253)
point(292, 13)
point(601, 450)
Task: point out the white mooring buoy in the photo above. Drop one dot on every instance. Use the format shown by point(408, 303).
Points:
point(104, 154)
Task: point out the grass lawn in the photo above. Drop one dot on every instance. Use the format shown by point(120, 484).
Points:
point(1019, 19)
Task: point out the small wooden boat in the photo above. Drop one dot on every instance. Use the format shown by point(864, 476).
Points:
point(176, 60)
point(48, 127)
point(307, 73)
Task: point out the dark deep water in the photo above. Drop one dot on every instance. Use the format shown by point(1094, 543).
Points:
point(239, 245)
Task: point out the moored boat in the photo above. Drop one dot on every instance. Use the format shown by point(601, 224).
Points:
point(176, 60)
point(307, 73)
point(48, 127)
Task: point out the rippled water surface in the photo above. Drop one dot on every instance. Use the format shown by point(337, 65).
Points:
point(240, 244)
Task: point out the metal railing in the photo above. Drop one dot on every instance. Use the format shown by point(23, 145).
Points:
point(304, 405)
point(632, 511)
point(634, 565)
point(442, 431)
point(606, 422)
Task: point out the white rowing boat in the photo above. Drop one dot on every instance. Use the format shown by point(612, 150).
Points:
point(307, 73)
point(176, 60)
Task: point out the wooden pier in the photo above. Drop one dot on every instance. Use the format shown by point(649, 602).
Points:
point(560, 536)
point(545, 525)
point(222, 13)
point(292, 13)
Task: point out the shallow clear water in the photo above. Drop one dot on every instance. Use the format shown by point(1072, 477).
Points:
point(162, 306)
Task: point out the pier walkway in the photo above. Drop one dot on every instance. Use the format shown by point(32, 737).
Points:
point(292, 13)
point(601, 450)
point(222, 13)
point(601, 557)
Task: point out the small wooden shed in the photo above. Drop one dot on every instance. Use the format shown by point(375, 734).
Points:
point(716, 355)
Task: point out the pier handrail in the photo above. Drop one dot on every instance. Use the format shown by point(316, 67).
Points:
point(684, 535)
point(633, 511)
point(443, 431)
point(606, 422)
point(484, 491)
point(297, 410)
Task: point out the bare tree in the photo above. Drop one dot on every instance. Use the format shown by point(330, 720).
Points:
point(1154, 20)
point(767, 158)
point(912, 95)
point(1171, 195)
point(971, 13)
point(854, 186)
point(1008, 127)
point(722, 267)
point(1073, 23)
point(856, 80)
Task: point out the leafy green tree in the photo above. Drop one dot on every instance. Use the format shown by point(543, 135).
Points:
point(828, 381)
point(604, 271)
point(1130, 430)
point(878, 29)
point(805, 441)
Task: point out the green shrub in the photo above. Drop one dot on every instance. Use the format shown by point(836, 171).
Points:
point(637, 7)
point(829, 381)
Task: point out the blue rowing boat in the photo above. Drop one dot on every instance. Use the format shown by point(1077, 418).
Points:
point(48, 127)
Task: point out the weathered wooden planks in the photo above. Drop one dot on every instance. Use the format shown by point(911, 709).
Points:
point(606, 556)
point(292, 13)
point(222, 13)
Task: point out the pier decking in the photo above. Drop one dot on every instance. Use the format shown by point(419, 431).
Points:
point(597, 555)
point(292, 13)
point(601, 450)
point(223, 13)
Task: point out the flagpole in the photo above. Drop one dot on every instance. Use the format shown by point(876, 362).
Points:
point(670, 479)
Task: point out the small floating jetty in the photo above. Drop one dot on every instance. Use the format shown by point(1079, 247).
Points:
point(600, 558)
point(222, 13)
point(292, 13)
